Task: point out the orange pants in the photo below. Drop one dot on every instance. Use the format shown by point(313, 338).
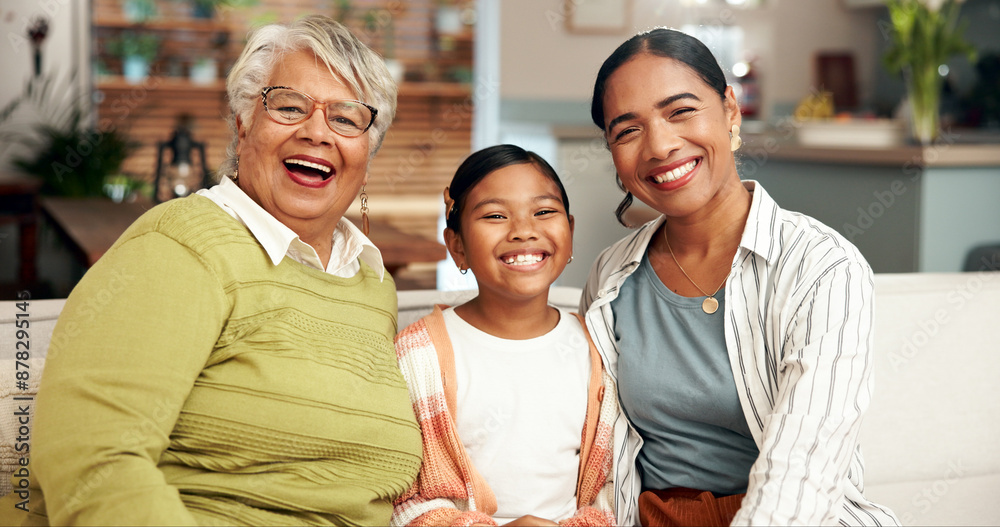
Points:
point(688, 507)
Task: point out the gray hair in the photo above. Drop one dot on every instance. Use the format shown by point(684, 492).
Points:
point(347, 58)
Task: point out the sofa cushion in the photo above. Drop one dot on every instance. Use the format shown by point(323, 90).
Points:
point(944, 501)
point(935, 414)
point(929, 438)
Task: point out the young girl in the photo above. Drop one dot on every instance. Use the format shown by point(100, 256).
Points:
point(512, 401)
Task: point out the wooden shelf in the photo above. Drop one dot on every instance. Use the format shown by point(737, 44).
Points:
point(406, 89)
point(465, 36)
point(159, 83)
point(163, 24)
point(434, 89)
point(428, 140)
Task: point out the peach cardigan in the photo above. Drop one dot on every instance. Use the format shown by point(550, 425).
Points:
point(449, 490)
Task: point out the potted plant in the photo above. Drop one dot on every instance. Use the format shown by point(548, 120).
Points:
point(138, 10)
point(342, 10)
point(122, 187)
point(74, 159)
point(448, 18)
point(71, 156)
point(925, 33)
point(381, 21)
point(137, 51)
point(207, 8)
point(204, 70)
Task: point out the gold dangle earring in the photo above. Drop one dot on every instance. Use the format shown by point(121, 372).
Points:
point(236, 172)
point(364, 211)
point(735, 142)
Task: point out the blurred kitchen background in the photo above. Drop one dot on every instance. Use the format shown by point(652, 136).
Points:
point(826, 124)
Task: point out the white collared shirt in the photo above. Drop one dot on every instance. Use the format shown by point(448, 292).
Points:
point(349, 243)
point(798, 311)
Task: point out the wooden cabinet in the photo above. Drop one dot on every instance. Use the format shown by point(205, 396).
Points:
point(430, 136)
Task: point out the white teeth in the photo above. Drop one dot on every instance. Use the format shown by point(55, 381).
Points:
point(675, 173)
point(523, 259)
point(308, 164)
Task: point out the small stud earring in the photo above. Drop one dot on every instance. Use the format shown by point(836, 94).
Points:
point(570, 260)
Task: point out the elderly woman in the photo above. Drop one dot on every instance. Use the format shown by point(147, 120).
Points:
point(740, 334)
point(230, 360)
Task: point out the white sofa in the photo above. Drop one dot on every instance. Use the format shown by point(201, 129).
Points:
point(930, 438)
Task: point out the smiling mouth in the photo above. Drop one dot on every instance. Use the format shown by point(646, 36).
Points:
point(309, 169)
point(523, 259)
point(675, 174)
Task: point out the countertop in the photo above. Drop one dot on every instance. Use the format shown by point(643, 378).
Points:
point(961, 148)
point(948, 151)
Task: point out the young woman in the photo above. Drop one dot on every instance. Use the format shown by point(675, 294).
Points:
point(505, 385)
point(739, 334)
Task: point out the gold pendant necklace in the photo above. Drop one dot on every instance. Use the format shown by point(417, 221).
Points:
point(710, 304)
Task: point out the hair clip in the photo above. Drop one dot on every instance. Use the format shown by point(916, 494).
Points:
point(449, 203)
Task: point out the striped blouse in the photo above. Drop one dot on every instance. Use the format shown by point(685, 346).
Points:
point(798, 330)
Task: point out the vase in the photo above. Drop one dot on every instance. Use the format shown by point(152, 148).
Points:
point(138, 10)
point(202, 10)
point(204, 72)
point(448, 20)
point(135, 69)
point(924, 88)
point(396, 69)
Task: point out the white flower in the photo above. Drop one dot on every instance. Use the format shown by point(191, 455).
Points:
point(935, 5)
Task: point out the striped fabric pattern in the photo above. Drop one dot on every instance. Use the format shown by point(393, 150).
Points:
point(449, 490)
point(799, 305)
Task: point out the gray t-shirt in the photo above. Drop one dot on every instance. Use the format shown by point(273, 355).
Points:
point(677, 388)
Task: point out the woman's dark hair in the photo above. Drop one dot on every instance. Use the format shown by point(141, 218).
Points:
point(483, 163)
point(661, 42)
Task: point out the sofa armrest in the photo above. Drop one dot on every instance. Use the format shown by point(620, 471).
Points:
point(35, 319)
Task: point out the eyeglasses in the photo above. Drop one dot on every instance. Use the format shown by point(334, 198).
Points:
point(345, 117)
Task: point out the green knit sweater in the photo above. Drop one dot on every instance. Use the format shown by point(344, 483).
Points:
point(190, 381)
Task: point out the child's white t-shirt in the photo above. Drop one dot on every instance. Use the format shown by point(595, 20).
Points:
point(521, 411)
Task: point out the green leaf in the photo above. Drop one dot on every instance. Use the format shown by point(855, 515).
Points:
point(922, 39)
point(70, 155)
